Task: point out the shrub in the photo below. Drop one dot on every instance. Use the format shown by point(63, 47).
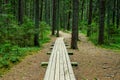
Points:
point(4, 63)
point(14, 59)
point(44, 30)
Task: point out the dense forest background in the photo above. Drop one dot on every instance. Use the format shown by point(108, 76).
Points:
point(27, 24)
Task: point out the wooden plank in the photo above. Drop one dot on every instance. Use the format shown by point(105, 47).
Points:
point(50, 62)
point(48, 53)
point(57, 70)
point(62, 77)
point(44, 64)
point(53, 68)
point(70, 53)
point(66, 70)
point(72, 76)
point(74, 63)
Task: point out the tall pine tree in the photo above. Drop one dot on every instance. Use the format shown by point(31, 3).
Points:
point(75, 24)
point(101, 22)
point(36, 36)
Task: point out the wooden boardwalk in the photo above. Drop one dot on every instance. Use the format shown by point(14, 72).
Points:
point(59, 66)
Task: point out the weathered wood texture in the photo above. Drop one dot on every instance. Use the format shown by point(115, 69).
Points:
point(59, 66)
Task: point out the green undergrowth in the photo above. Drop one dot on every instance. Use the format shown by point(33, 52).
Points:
point(112, 43)
point(66, 31)
point(111, 35)
point(12, 55)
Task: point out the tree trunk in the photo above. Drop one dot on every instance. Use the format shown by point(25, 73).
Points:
point(31, 9)
point(82, 9)
point(36, 36)
point(47, 11)
point(58, 23)
point(54, 17)
point(6, 1)
point(108, 18)
point(20, 12)
point(89, 19)
point(41, 9)
point(1, 7)
point(101, 22)
point(118, 14)
point(114, 11)
point(62, 14)
point(14, 7)
point(75, 24)
point(69, 17)
point(51, 10)
point(87, 10)
point(25, 8)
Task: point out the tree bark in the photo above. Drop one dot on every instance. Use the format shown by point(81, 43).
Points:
point(20, 12)
point(101, 22)
point(1, 7)
point(54, 17)
point(41, 9)
point(108, 18)
point(82, 9)
point(36, 36)
point(118, 14)
point(114, 11)
point(47, 11)
point(58, 23)
point(75, 24)
point(69, 16)
point(89, 19)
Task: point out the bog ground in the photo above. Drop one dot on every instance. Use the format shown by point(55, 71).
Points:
point(94, 63)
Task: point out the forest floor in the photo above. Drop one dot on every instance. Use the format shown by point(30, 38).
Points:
point(94, 63)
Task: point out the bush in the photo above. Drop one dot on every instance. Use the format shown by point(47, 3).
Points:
point(44, 30)
point(13, 33)
point(14, 59)
point(4, 63)
point(83, 25)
